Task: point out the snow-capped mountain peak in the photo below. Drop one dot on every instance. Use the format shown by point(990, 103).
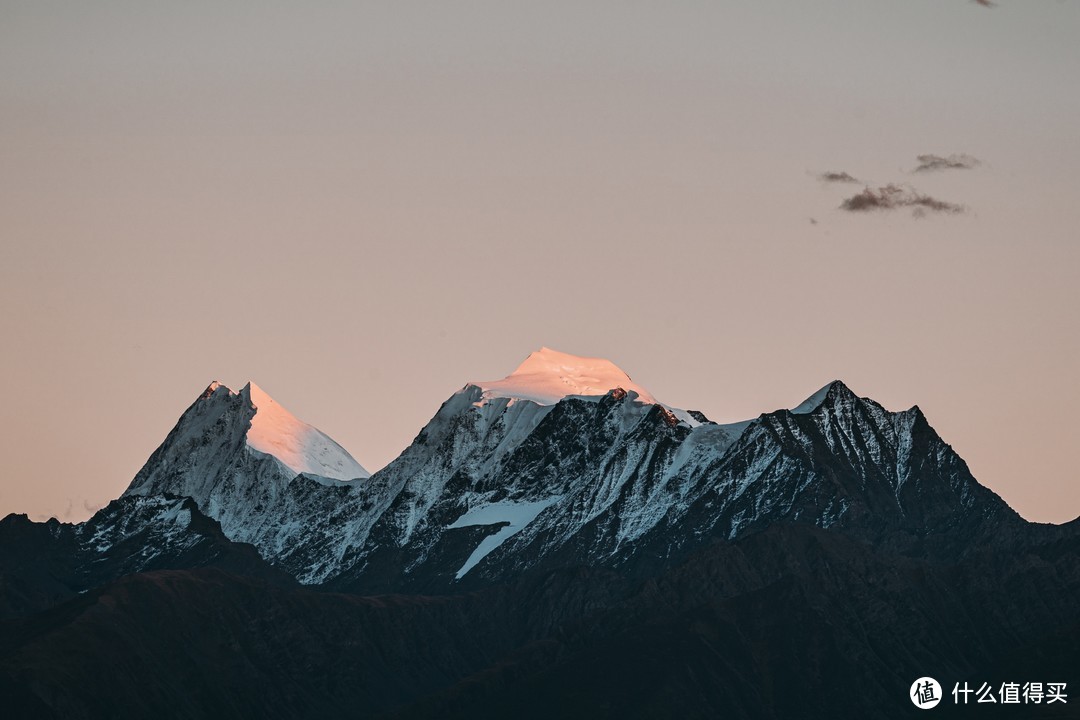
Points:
point(566, 457)
point(240, 456)
point(265, 427)
point(299, 446)
point(547, 376)
point(834, 392)
point(813, 402)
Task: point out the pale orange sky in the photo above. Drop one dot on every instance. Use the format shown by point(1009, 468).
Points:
point(364, 206)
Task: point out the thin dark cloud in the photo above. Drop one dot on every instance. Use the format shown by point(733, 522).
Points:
point(837, 177)
point(985, 3)
point(929, 163)
point(892, 197)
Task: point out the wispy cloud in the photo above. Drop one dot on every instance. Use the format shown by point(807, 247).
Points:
point(929, 163)
point(985, 3)
point(891, 197)
point(837, 177)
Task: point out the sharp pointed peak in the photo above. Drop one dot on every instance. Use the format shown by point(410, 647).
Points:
point(250, 391)
point(256, 394)
point(304, 449)
point(301, 447)
point(840, 388)
point(832, 390)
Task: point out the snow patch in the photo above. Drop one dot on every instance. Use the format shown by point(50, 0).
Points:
point(518, 514)
point(813, 402)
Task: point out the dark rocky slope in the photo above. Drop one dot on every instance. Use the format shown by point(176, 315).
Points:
point(45, 563)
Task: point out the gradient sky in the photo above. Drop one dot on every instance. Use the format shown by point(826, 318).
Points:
point(362, 206)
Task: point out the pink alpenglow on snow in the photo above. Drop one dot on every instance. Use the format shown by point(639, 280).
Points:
point(299, 446)
point(547, 376)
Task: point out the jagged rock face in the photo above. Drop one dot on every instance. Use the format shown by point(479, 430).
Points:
point(846, 464)
point(501, 469)
point(612, 482)
point(219, 455)
point(206, 457)
point(507, 476)
point(479, 453)
point(44, 563)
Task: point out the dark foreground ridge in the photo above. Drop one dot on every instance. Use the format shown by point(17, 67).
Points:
point(597, 556)
point(792, 621)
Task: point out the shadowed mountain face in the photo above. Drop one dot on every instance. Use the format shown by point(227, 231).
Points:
point(849, 465)
point(45, 563)
point(555, 546)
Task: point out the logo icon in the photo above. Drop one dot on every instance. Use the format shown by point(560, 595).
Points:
point(925, 693)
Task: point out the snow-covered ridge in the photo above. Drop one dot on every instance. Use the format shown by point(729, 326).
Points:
point(299, 446)
point(813, 402)
point(548, 376)
point(564, 450)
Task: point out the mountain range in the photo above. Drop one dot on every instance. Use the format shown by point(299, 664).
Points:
point(557, 542)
